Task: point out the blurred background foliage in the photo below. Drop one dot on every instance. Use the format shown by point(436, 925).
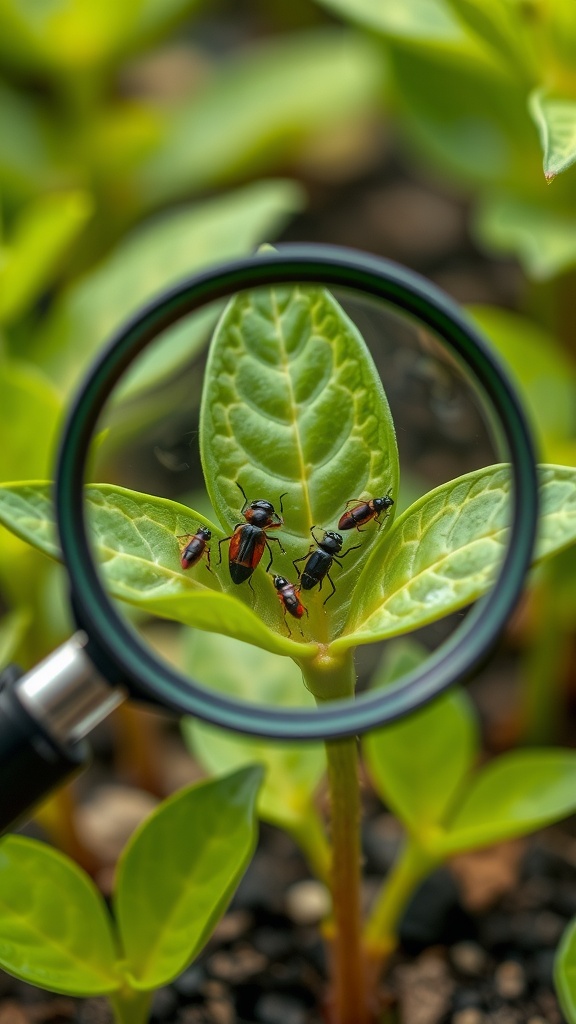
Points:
point(144, 139)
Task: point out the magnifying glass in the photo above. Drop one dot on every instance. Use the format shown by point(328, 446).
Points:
point(294, 430)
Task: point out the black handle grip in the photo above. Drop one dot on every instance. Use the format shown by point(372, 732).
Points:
point(32, 763)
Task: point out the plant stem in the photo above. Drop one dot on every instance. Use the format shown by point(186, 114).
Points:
point(130, 1005)
point(310, 836)
point(380, 934)
point(329, 678)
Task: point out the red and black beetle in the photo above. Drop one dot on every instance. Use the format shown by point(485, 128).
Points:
point(195, 547)
point(249, 539)
point(289, 595)
point(364, 510)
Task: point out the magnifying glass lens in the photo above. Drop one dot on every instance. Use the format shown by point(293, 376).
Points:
point(293, 468)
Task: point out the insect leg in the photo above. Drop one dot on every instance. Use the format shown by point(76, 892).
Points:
point(331, 582)
point(220, 543)
point(344, 553)
point(243, 493)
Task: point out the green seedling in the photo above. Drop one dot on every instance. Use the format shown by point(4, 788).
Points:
point(294, 410)
point(174, 880)
point(565, 973)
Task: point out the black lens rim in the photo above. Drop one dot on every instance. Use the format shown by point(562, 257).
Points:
point(116, 648)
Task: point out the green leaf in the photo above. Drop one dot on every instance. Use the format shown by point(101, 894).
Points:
point(13, 629)
point(542, 238)
point(542, 370)
point(260, 109)
point(29, 416)
point(293, 404)
point(555, 119)
point(25, 163)
point(443, 552)
point(178, 873)
point(54, 927)
point(565, 973)
point(158, 17)
point(67, 35)
point(426, 21)
point(468, 115)
point(155, 256)
point(515, 794)
point(293, 770)
point(136, 543)
point(44, 233)
point(421, 790)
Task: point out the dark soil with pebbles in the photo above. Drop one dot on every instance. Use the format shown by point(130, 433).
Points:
point(266, 963)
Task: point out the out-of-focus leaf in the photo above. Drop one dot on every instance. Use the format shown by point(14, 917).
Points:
point(136, 542)
point(156, 255)
point(470, 116)
point(55, 930)
point(426, 21)
point(565, 973)
point(516, 793)
point(12, 631)
point(178, 872)
point(555, 118)
point(43, 234)
point(259, 110)
point(293, 770)
point(421, 789)
point(443, 552)
point(542, 370)
point(25, 163)
point(543, 239)
point(157, 17)
point(293, 405)
point(66, 35)
point(29, 415)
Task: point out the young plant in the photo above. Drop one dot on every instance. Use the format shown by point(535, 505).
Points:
point(293, 407)
point(174, 880)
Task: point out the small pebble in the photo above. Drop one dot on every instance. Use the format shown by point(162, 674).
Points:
point(232, 926)
point(472, 1015)
point(276, 1008)
point(307, 902)
point(469, 958)
point(237, 965)
point(510, 980)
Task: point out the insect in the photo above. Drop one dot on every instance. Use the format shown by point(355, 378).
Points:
point(319, 560)
point(195, 546)
point(289, 599)
point(364, 511)
point(249, 539)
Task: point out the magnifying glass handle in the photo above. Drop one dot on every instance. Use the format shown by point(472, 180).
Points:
point(44, 717)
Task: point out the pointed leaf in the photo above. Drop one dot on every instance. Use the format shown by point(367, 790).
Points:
point(422, 789)
point(55, 930)
point(565, 973)
point(555, 118)
point(293, 769)
point(156, 255)
point(444, 551)
point(136, 545)
point(515, 794)
point(293, 404)
point(179, 871)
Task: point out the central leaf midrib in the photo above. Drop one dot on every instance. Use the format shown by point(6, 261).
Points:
point(293, 404)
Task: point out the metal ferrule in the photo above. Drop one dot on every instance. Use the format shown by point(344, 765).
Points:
point(65, 694)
